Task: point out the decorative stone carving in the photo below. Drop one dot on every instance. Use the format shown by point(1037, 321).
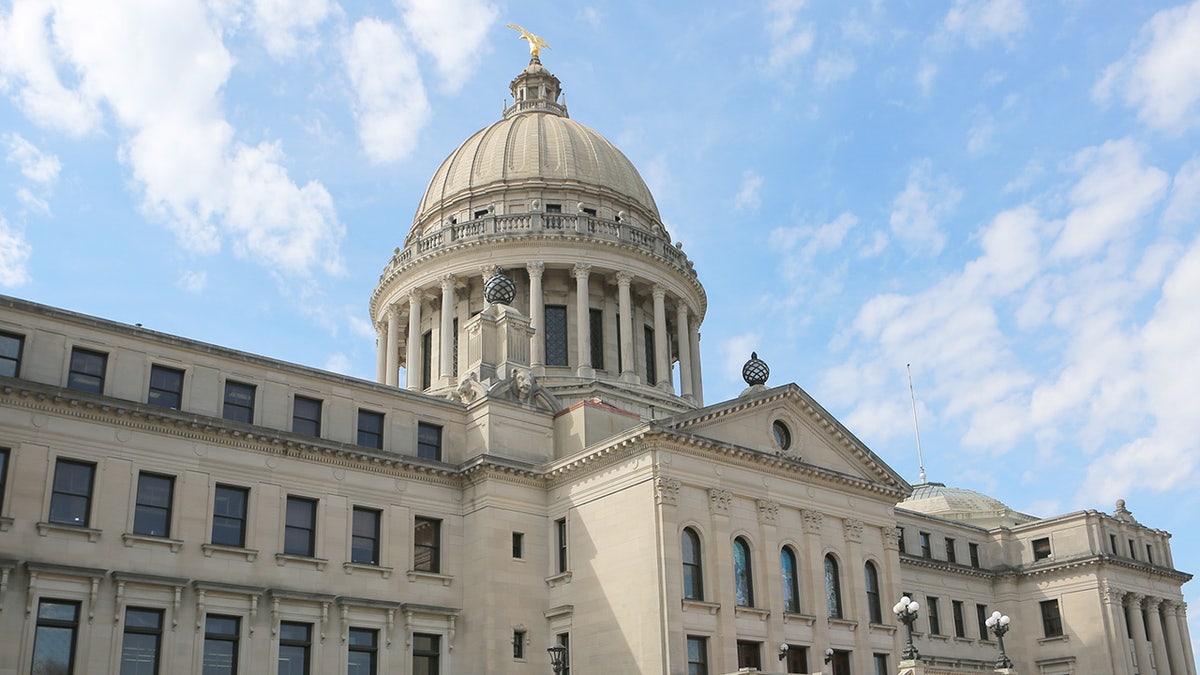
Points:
point(1111, 595)
point(768, 511)
point(812, 521)
point(853, 529)
point(891, 538)
point(1122, 514)
point(666, 491)
point(719, 500)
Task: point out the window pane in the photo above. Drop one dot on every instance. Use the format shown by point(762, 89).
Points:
point(370, 429)
point(229, 516)
point(743, 581)
point(364, 540)
point(833, 588)
point(239, 402)
point(556, 335)
point(166, 387)
point(54, 639)
point(87, 371)
point(429, 441)
point(139, 654)
point(71, 499)
point(306, 416)
point(299, 531)
point(791, 585)
point(596, 329)
point(152, 514)
point(10, 354)
point(426, 543)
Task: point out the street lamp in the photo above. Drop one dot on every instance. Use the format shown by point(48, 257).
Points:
point(828, 655)
point(998, 624)
point(906, 611)
point(558, 655)
point(783, 651)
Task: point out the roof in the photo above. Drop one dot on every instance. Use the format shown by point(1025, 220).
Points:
point(953, 503)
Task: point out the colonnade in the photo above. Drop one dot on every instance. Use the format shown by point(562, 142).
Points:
point(685, 339)
point(1158, 630)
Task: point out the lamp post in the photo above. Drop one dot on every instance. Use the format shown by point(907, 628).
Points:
point(998, 624)
point(558, 655)
point(783, 651)
point(906, 611)
point(828, 655)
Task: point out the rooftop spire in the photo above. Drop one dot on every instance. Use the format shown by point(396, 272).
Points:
point(535, 89)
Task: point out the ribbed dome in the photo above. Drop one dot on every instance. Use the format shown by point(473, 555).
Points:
point(936, 499)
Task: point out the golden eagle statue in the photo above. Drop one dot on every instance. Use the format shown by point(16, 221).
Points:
point(536, 44)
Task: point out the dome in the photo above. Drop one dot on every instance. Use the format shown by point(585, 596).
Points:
point(936, 499)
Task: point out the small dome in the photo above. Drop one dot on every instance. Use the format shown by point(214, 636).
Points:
point(951, 503)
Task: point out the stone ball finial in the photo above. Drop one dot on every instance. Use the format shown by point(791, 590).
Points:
point(755, 372)
point(499, 289)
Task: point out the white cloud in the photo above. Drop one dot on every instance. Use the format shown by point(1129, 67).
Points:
point(452, 31)
point(748, 196)
point(1184, 206)
point(361, 327)
point(391, 106)
point(981, 21)
point(918, 210)
point(14, 256)
point(32, 202)
point(37, 166)
point(192, 281)
point(803, 244)
point(1160, 75)
point(981, 136)
point(925, 76)
point(831, 69)
point(790, 37)
point(339, 363)
point(736, 351)
point(285, 25)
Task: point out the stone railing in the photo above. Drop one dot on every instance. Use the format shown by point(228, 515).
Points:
point(544, 224)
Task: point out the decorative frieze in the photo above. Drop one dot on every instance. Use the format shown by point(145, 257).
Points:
point(666, 491)
point(812, 521)
point(768, 511)
point(852, 529)
point(719, 500)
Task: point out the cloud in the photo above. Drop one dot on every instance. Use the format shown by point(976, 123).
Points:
point(339, 363)
point(918, 210)
point(736, 351)
point(361, 327)
point(748, 196)
point(37, 166)
point(1184, 206)
point(391, 107)
point(831, 69)
point(192, 282)
point(981, 136)
point(452, 31)
point(979, 22)
point(14, 256)
point(1160, 74)
point(285, 24)
point(925, 77)
point(790, 37)
point(803, 244)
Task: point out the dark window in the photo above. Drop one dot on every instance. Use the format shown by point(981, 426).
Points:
point(874, 611)
point(166, 387)
point(797, 659)
point(480, 213)
point(981, 616)
point(427, 653)
point(1112, 540)
point(935, 617)
point(143, 637)
point(306, 416)
point(364, 539)
point(596, 327)
point(693, 566)
point(370, 429)
point(429, 441)
point(833, 587)
point(11, 347)
point(749, 654)
point(363, 651)
point(926, 546)
point(221, 634)
point(71, 500)
point(556, 335)
point(3, 473)
point(743, 573)
point(1149, 554)
point(960, 624)
point(651, 361)
point(295, 640)
point(454, 349)
point(951, 554)
point(791, 580)
point(518, 644)
point(840, 664)
point(783, 435)
point(1132, 549)
point(300, 528)
point(1041, 549)
point(239, 402)
point(560, 529)
point(900, 540)
point(54, 641)
point(881, 665)
point(564, 639)
point(973, 549)
point(1052, 620)
point(152, 514)
point(427, 542)
point(589, 212)
point(554, 208)
point(87, 370)
point(697, 653)
point(229, 515)
point(518, 544)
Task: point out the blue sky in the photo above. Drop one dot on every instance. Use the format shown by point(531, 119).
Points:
point(1005, 194)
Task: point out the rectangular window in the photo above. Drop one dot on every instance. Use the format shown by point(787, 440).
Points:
point(749, 654)
point(239, 402)
point(87, 370)
point(1149, 554)
point(454, 349)
point(564, 639)
point(54, 639)
point(935, 619)
point(364, 538)
point(306, 416)
point(651, 361)
point(1051, 619)
point(698, 655)
point(881, 665)
point(560, 531)
point(3, 474)
point(300, 527)
point(71, 500)
point(229, 515)
point(960, 622)
point(142, 640)
point(797, 659)
point(1041, 549)
point(152, 513)
point(429, 441)
point(900, 541)
point(518, 643)
point(556, 335)
point(951, 554)
point(596, 327)
point(480, 213)
point(589, 212)
point(973, 549)
point(11, 347)
point(1132, 549)
point(518, 544)
point(426, 359)
point(427, 544)
point(166, 387)
point(221, 634)
point(295, 641)
point(926, 546)
point(1112, 541)
point(370, 429)
point(364, 651)
point(427, 654)
point(981, 615)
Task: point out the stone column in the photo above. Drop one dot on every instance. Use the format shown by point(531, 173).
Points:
point(393, 346)
point(446, 337)
point(537, 319)
point(1137, 625)
point(697, 379)
point(381, 350)
point(413, 358)
point(1174, 645)
point(813, 589)
point(683, 338)
point(723, 644)
point(1112, 599)
point(853, 586)
point(625, 308)
point(1185, 641)
point(662, 367)
point(1161, 660)
point(583, 328)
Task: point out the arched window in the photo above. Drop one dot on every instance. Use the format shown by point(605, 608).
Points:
point(693, 569)
point(791, 581)
point(876, 615)
point(743, 580)
point(833, 587)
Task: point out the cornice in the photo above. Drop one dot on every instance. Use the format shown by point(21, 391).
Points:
point(1042, 568)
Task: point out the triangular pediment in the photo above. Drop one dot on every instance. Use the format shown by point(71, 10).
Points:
point(786, 422)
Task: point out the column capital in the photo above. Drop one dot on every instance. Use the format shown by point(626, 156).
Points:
point(812, 520)
point(1111, 594)
point(1151, 602)
point(718, 501)
point(624, 278)
point(659, 292)
point(581, 270)
point(447, 281)
point(891, 538)
point(852, 529)
point(768, 511)
point(535, 268)
point(415, 295)
point(1134, 599)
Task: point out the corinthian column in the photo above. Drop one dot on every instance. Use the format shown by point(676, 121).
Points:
point(661, 367)
point(392, 365)
point(446, 339)
point(413, 359)
point(625, 308)
point(1185, 642)
point(537, 319)
point(381, 350)
point(683, 339)
point(697, 377)
point(583, 332)
point(1174, 641)
point(1137, 625)
point(1161, 659)
point(1112, 599)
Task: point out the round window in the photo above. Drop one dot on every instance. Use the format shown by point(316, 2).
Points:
point(783, 436)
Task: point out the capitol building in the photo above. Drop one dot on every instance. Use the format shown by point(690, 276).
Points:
point(535, 465)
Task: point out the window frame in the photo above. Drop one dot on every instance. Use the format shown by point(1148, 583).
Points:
point(518, 545)
point(557, 344)
point(357, 538)
point(797, 658)
point(1041, 548)
point(371, 650)
point(835, 608)
point(871, 581)
point(981, 617)
point(934, 614)
point(596, 336)
point(295, 526)
point(53, 624)
point(212, 635)
point(749, 654)
point(434, 549)
point(880, 661)
point(960, 621)
point(973, 551)
point(159, 392)
point(692, 560)
point(228, 405)
point(790, 579)
point(5, 460)
point(427, 448)
point(141, 507)
point(79, 376)
point(1051, 614)
point(304, 645)
point(562, 543)
point(431, 655)
point(242, 522)
point(57, 492)
point(373, 436)
point(136, 630)
point(951, 553)
point(743, 572)
point(5, 359)
point(651, 355)
point(302, 424)
point(518, 644)
point(926, 545)
point(697, 660)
